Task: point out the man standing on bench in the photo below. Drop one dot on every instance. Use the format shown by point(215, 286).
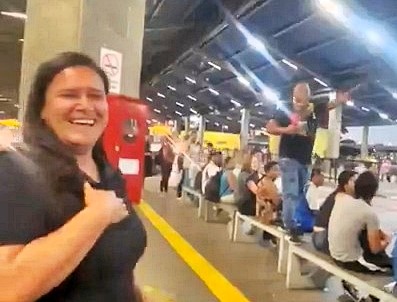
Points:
point(297, 126)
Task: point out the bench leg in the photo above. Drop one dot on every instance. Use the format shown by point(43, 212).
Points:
point(235, 226)
point(200, 208)
point(295, 278)
point(282, 262)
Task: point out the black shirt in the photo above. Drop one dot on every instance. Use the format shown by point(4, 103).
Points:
point(248, 202)
point(298, 147)
point(323, 215)
point(27, 213)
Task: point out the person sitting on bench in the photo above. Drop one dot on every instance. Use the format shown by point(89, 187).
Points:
point(356, 241)
point(228, 182)
point(320, 229)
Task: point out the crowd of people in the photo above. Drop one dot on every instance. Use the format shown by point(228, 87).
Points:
point(342, 222)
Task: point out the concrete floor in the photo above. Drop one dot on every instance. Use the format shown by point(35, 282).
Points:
point(250, 267)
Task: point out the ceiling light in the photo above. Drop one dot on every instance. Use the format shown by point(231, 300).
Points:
point(214, 65)
point(165, 107)
point(252, 125)
point(321, 82)
point(21, 40)
point(216, 124)
point(193, 111)
point(211, 107)
point(286, 62)
point(16, 105)
point(226, 127)
point(394, 94)
point(235, 103)
point(177, 112)
point(365, 109)
point(190, 80)
point(261, 113)
point(192, 97)
point(258, 104)
point(384, 116)
point(179, 104)
point(154, 121)
point(171, 88)
point(148, 121)
point(15, 15)
point(157, 111)
point(229, 118)
point(213, 91)
point(331, 7)
point(161, 95)
point(243, 80)
point(350, 103)
point(149, 99)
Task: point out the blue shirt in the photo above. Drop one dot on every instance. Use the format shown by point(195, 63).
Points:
point(224, 188)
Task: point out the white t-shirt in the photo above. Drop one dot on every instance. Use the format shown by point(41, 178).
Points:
point(349, 218)
point(316, 196)
point(210, 170)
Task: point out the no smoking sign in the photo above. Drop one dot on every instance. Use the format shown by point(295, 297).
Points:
point(111, 63)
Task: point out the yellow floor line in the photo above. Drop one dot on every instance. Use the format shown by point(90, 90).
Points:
point(214, 280)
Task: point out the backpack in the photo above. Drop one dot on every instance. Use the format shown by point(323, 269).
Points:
point(198, 181)
point(212, 188)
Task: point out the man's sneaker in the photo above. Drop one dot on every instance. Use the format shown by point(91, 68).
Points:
point(294, 239)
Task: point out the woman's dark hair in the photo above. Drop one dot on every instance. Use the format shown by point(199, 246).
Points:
point(60, 166)
point(366, 186)
point(315, 171)
point(269, 166)
point(343, 180)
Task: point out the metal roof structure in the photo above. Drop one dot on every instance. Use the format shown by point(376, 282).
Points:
point(260, 49)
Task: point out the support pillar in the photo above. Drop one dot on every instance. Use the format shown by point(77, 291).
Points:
point(334, 134)
point(364, 142)
point(55, 26)
point(245, 124)
point(201, 129)
point(187, 124)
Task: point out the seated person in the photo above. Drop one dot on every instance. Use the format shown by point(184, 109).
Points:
point(316, 191)
point(228, 182)
point(356, 241)
point(267, 194)
point(320, 230)
point(213, 167)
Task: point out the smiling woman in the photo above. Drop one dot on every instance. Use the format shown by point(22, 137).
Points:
point(73, 233)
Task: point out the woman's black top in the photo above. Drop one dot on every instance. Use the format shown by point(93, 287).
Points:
point(29, 210)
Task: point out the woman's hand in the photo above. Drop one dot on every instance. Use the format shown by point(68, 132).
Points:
point(113, 209)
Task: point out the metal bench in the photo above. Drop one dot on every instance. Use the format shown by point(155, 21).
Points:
point(187, 190)
point(271, 229)
point(297, 279)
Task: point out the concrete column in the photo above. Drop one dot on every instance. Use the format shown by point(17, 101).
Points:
point(245, 124)
point(55, 26)
point(201, 129)
point(187, 124)
point(364, 142)
point(334, 128)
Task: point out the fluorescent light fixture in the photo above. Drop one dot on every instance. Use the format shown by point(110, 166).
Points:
point(394, 94)
point(171, 88)
point(190, 80)
point(243, 80)
point(154, 120)
point(193, 111)
point(214, 65)
point(177, 112)
point(261, 113)
point(331, 7)
point(21, 40)
point(226, 127)
point(216, 124)
point(213, 91)
point(258, 104)
point(211, 108)
point(179, 104)
point(350, 103)
point(157, 111)
point(321, 82)
point(286, 62)
point(161, 95)
point(384, 116)
point(235, 103)
point(365, 109)
point(15, 15)
point(148, 121)
point(229, 118)
point(252, 125)
point(149, 99)
point(16, 105)
point(192, 97)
